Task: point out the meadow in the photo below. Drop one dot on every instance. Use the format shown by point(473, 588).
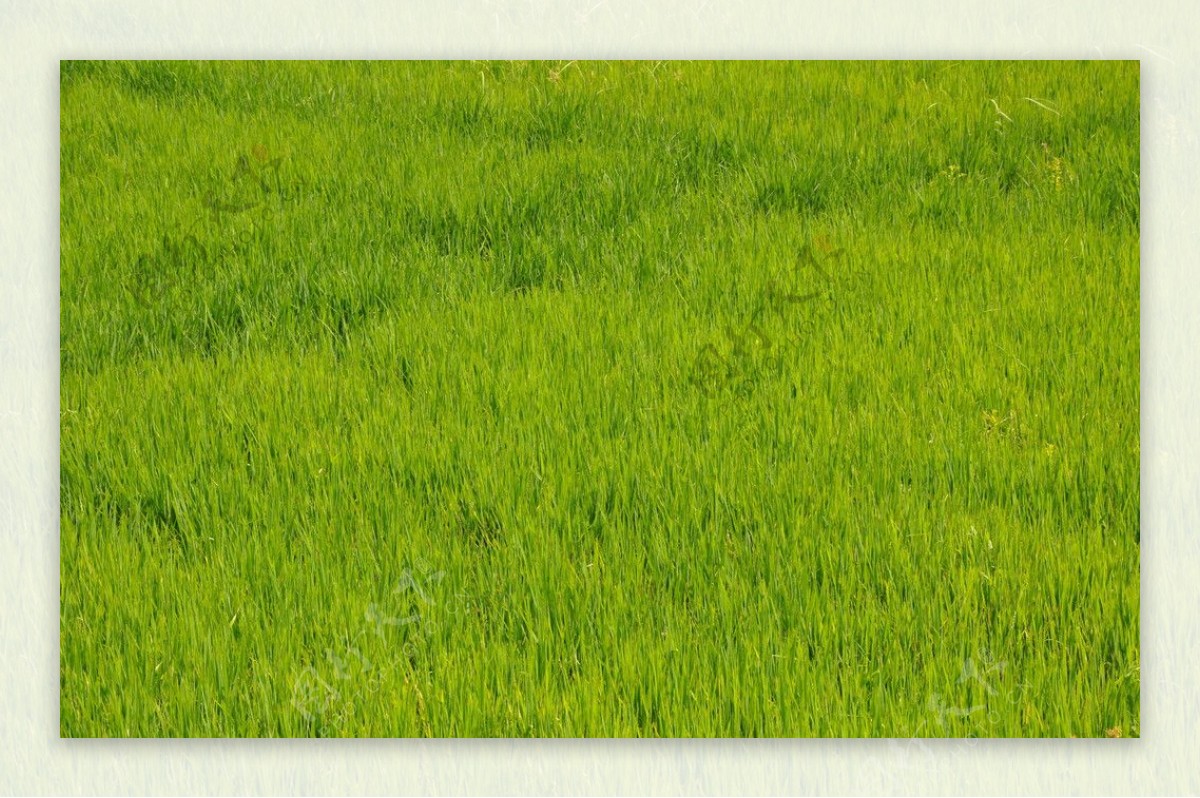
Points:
point(562, 399)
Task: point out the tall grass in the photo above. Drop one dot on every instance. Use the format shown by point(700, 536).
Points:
point(380, 413)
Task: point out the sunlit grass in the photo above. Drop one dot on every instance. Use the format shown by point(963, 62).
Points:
point(679, 399)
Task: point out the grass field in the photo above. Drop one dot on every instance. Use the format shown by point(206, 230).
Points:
point(600, 399)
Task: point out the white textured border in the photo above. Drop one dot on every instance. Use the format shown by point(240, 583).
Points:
point(34, 34)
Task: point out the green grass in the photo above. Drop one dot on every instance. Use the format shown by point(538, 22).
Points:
point(441, 426)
